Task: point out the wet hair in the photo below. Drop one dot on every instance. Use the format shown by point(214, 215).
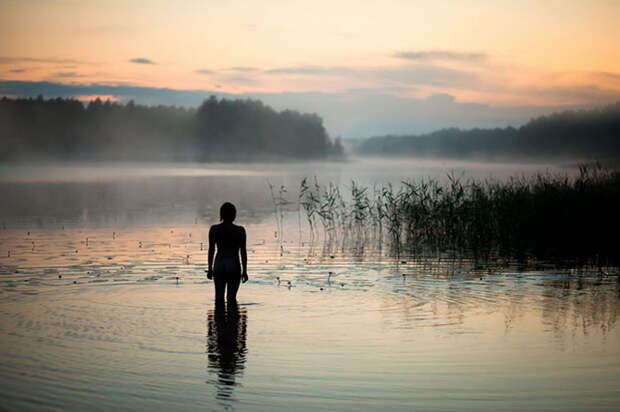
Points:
point(228, 212)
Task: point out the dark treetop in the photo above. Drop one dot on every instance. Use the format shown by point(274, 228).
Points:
point(584, 134)
point(224, 130)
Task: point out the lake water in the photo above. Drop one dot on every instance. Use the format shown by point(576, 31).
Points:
point(104, 303)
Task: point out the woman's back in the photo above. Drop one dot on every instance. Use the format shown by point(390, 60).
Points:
point(228, 239)
point(226, 269)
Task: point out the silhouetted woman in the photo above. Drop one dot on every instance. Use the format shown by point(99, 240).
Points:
point(230, 242)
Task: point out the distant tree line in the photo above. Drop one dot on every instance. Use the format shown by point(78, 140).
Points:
point(219, 130)
point(583, 134)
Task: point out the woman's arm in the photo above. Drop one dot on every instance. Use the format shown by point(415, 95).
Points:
point(211, 252)
point(244, 257)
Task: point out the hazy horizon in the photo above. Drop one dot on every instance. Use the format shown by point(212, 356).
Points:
point(353, 115)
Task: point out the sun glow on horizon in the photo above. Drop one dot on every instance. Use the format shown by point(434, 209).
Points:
point(502, 53)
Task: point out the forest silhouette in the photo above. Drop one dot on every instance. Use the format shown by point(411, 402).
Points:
point(218, 130)
point(587, 134)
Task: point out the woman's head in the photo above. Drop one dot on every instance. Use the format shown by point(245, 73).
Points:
point(228, 212)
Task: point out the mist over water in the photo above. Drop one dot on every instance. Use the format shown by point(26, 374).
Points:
point(104, 302)
point(138, 193)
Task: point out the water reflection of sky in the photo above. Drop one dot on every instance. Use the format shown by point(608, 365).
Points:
point(106, 310)
point(146, 345)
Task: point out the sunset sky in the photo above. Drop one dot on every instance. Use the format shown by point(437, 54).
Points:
point(498, 54)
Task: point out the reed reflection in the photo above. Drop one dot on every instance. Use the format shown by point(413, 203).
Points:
point(581, 304)
point(226, 345)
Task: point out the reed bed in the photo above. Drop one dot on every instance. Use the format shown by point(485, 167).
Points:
point(572, 220)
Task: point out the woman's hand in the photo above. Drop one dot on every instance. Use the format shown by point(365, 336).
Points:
point(209, 274)
point(244, 277)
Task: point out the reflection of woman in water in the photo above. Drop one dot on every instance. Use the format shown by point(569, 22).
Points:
point(226, 345)
point(230, 241)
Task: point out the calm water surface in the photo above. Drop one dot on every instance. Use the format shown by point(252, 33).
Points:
point(104, 304)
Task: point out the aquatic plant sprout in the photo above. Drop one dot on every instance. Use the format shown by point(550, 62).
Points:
point(279, 204)
point(543, 217)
